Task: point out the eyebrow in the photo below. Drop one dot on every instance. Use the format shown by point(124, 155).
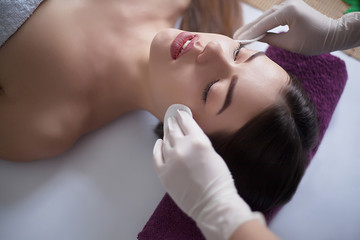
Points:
point(229, 94)
point(254, 56)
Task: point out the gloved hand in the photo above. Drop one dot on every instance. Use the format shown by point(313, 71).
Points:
point(198, 180)
point(310, 32)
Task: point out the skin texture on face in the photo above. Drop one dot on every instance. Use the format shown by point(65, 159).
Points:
point(250, 79)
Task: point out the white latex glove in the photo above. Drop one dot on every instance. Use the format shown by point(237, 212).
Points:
point(198, 180)
point(310, 32)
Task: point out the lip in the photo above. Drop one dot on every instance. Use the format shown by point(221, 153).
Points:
point(176, 50)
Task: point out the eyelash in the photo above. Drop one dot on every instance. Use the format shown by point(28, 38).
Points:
point(237, 50)
point(207, 88)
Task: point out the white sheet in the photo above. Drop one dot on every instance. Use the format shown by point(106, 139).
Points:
point(105, 187)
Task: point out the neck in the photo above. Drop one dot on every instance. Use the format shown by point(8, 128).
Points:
point(122, 85)
point(119, 56)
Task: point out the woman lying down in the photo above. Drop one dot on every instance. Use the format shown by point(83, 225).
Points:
point(75, 66)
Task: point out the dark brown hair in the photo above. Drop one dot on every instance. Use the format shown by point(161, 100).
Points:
point(268, 155)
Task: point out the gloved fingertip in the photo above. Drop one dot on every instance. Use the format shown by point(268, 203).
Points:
point(158, 159)
point(185, 121)
point(171, 112)
point(183, 114)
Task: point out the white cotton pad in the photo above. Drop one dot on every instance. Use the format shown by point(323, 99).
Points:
point(172, 110)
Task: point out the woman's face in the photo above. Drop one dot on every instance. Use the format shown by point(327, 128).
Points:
point(225, 86)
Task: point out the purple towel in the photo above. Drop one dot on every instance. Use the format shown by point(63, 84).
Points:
point(324, 79)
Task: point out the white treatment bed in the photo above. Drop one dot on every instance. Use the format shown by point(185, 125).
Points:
point(105, 186)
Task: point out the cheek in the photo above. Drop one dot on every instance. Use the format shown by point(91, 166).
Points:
point(170, 88)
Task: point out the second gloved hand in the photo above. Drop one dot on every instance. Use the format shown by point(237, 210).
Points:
point(310, 32)
point(198, 180)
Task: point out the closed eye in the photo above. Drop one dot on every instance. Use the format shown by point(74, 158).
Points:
point(207, 89)
point(229, 94)
point(237, 50)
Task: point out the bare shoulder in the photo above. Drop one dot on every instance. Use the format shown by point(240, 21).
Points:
point(36, 127)
point(22, 144)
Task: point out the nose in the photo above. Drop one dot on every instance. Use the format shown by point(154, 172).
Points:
point(214, 55)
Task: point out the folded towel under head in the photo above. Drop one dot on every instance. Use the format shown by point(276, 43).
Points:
point(13, 14)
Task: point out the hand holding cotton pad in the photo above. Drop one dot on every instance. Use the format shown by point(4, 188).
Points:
point(171, 112)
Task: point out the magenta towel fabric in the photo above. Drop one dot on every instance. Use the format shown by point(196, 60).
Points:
point(324, 78)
